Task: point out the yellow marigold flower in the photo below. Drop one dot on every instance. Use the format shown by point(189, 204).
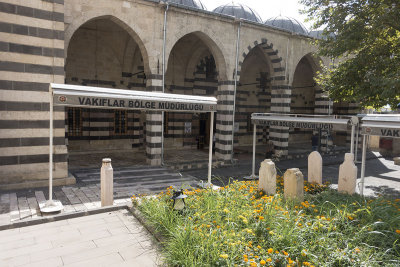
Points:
point(246, 259)
point(290, 261)
point(350, 217)
point(306, 263)
point(244, 256)
point(398, 231)
point(285, 253)
point(269, 259)
point(357, 250)
point(224, 256)
point(253, 264)
point(270, 250)
point(261, 218)
point(262, 262)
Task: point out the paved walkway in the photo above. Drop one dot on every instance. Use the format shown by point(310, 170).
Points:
point(107, 239)
point(22, 205)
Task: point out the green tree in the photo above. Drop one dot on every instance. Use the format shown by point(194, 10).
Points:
point(363, 36)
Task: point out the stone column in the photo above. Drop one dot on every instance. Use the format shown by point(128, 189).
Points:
point(267, 181)
point(153, 124)
point(224, 123)
point(280, 103)
point(106, 183)
point(293, 182)
point(347, 175)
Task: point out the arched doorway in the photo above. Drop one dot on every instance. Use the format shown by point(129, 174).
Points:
point(303, 100)
point(253, 95)
point(191, 70)
point(102, 53)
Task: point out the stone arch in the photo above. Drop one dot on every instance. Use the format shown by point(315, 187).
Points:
point(213, 44)
point(280, 93)
point(278, 71)
point(193, 61)
point(90, 16)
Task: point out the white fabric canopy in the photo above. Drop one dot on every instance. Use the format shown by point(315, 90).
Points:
point(110, 98)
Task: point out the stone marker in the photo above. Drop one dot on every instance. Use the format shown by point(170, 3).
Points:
point(267, 180)
point(293, 182)
point(347, 175)
point(106, 182)
point(396, 160)
point(315, 168)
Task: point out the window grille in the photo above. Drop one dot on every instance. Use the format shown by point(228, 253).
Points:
point(74, 121)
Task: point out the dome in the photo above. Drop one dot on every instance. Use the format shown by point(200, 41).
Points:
point(190, 3)
point(287, 23)
point(239, 11)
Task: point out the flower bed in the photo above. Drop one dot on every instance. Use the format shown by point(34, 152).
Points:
point(238, 225)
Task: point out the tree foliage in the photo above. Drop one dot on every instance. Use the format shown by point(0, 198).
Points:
point(363, 38)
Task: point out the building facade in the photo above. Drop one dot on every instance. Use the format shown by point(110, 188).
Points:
point(249, 66)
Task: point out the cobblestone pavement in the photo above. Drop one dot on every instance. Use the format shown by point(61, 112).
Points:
point(22, 205)
point(107, 239)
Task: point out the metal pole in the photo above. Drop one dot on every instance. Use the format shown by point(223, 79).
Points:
point(254, 151)
point(210, 148)
point(353, 127)
point(51, 205)
point(163, 80)
point(364, 152)
point(235, 85)
point(356, 152)
point(51, 148)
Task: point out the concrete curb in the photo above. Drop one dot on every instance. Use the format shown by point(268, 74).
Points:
point(62, 216)
point(152, 230)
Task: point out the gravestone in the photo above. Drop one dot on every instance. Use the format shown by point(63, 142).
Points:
point(347, 175)
point(396, 160)
point(293, 182)
point(267, 180)
point(315, 168)
point(106, 183)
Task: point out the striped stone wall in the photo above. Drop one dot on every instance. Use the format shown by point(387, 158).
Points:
point(32, 56)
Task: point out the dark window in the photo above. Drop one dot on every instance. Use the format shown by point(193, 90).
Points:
point(249, 124)
point(74, 122)
point(263, 80)
point(210, 68)
point(166, 118)
point(120, 122)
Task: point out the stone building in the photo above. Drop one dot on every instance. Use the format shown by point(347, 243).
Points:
point(228, 53)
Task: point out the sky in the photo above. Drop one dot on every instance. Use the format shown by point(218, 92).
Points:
point(266, 8)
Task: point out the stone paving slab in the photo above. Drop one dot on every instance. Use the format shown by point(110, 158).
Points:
point(107, 239)
point(23, 205)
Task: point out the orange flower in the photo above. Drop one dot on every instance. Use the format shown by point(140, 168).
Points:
point(262, 262)
point(270, 250)
point(398, 231)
